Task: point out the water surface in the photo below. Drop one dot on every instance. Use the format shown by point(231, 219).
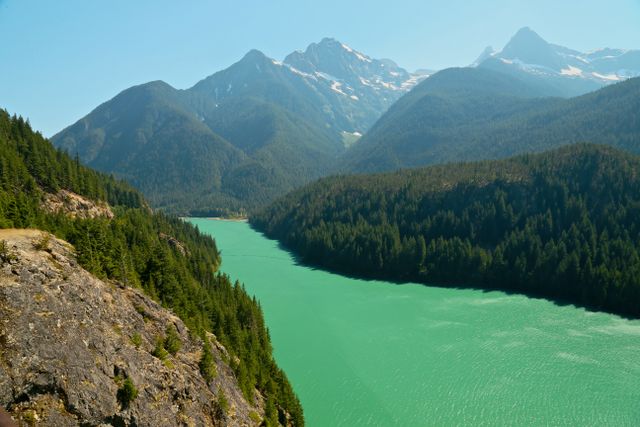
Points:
point(371, 353)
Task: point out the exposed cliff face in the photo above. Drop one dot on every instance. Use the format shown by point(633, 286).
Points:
point(69, 344)
point(75, 206)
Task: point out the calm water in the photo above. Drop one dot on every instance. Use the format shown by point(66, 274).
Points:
point(373, 353)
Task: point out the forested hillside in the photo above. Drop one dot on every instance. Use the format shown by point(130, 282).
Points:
point(167, 258)
point(564, 224)
point(474, 114)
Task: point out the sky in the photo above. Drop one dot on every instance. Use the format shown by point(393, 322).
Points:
point(61, 59)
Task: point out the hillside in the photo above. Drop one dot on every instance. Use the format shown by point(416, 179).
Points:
point(67, 355)
point(474, 114)
point(562, 224)
point(131, 247)
point(242, 136)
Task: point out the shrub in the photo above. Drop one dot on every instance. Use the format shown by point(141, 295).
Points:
point(6, 254)
point(159, 350)
point(222, 405)
point(172, 341)
point(206, 364)
point(42, 244)
point(127, 393)
point(136, 340)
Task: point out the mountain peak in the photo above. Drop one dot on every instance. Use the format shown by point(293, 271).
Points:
point(525, 37)
point(328, 41)
point(528, 47)
point(254, 55)
point(488, 52)
point(526, 31)
point(329, 55)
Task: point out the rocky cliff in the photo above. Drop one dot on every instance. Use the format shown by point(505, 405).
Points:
point(75, 206)
point(76, 350)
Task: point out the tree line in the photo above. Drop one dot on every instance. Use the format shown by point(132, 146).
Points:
point(564, 224)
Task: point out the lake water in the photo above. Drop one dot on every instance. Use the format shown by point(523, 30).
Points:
point(371, 353)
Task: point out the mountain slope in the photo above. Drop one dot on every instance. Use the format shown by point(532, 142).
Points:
point(242, 136)
point(562, 224)
point(570, 73)
point(125, 244)
point(66, 357)
point(482, 114)
point(149, 136)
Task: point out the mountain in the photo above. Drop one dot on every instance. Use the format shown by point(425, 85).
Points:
point(478, 113)
point(149, 136)
point(242, 136)
point(362, 87)
point(563, 224)
point(570, 72)
point(79, 339)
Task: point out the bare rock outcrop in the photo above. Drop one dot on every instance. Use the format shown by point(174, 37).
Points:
point(69, 342)
point(75, 205)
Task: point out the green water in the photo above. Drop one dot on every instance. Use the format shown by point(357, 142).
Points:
point(373, 353)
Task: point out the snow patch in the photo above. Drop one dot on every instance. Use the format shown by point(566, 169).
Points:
point(365, 81)
point(387, 85)
point(608, 77)
point(325, 76)
point(413, 80)
point(358, 55)
point(581, 59)
point(301, 73)
point(336, 87)
point(347, 48)
point(571, 71)
point(361, 57)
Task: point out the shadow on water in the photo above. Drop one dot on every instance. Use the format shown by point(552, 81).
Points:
point(556, 300)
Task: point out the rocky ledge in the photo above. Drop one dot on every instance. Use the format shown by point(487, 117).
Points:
point(75, 350)
point(75, 206)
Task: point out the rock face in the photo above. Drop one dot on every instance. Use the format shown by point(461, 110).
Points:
point(75, 206)
point(70, 343)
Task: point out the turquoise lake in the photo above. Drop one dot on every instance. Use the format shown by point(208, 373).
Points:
point(371, 353)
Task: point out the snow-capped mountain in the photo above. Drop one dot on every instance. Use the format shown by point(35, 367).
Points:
point(351, 89)
point(357, 86)
point(355, 73)
point(579, 72)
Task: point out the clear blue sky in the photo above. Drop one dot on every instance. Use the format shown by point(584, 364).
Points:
point(59, 59)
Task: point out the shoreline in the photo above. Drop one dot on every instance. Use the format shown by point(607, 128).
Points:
point(220, 218)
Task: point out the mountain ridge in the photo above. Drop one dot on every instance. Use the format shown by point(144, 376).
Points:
point(434, 124)
point(242, 136)
point(571, 72)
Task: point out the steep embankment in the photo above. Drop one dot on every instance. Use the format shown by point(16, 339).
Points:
point(70, 342)
point(120, 241)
